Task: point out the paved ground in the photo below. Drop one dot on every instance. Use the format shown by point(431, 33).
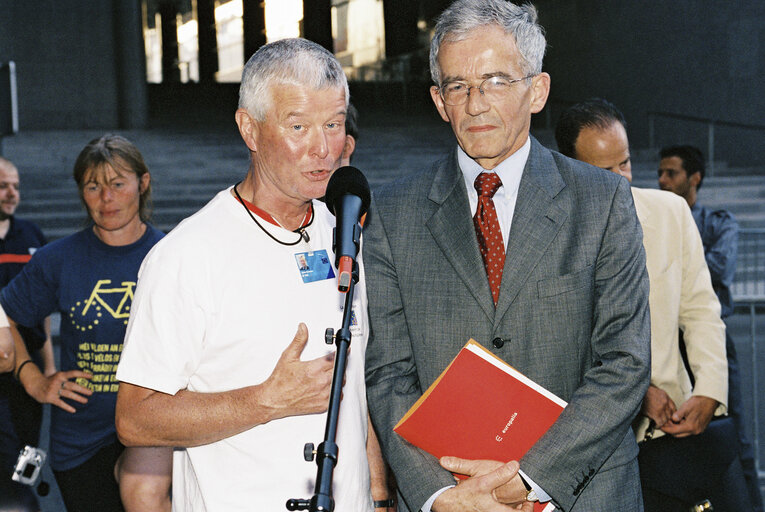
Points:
point(189, 165)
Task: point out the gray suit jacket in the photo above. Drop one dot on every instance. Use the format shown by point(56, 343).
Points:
point(572, 315)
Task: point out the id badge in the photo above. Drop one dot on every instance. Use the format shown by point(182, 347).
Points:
point(355, 327)
point(314, 266)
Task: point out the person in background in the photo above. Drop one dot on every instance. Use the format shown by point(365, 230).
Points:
point(536, 256)
point(386, 484)
point(20, 415)
point(681, 300)
point(145, 475)
point(89, 278)
point(351, 134)
point(212, 360)
point(681, 170)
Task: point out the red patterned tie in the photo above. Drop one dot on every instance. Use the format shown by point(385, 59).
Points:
point(487, 230)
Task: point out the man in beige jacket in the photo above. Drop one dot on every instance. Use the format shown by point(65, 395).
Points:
point(681, 298)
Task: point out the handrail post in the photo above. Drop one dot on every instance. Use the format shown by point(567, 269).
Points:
point(755, 387)
point(404, 75)
point(711, 148)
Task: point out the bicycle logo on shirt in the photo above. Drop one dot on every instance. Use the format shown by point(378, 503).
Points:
point(104, 299)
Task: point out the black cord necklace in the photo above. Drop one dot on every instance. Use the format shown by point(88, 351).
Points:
point(301, 231)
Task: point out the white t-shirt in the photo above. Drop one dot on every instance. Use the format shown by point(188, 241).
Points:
point(3, 318)
point(217, 303)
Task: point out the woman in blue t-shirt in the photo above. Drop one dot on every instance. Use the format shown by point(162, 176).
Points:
point(89, 278)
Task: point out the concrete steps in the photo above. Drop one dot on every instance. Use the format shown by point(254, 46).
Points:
point(189, 165)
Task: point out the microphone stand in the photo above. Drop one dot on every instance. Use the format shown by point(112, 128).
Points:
point(326, 455)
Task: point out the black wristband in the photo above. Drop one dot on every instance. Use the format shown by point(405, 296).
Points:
point(384, 503)
point(21, 366)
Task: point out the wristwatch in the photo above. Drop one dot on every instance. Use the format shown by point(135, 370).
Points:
point(531, 495)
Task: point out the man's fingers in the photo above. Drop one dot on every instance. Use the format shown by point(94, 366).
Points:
point(684, 410)
point(501, 475)
point(481, 467)
point(298, 343)
point(462, 466)
point(677, 429)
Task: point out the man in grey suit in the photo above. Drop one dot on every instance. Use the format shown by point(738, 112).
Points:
point(565, 300)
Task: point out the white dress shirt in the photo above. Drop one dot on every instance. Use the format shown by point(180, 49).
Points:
point(509, 171)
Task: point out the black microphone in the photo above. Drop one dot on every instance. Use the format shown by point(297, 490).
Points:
point(348, 199)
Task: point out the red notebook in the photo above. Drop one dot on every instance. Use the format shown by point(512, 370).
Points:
point(481, 408)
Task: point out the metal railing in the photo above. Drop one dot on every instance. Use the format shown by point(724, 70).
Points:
point(749, 283)
point(710, 124)
point(752, 306)
point(749, 293)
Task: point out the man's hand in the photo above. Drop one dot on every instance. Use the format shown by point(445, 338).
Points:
point(147, 417)
point(658, 406)
point(692, 418)
point(298, 387)
point(490, 482)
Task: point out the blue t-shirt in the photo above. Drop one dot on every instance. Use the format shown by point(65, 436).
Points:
point(18, 246)
point(16, 249)
point(91, 284)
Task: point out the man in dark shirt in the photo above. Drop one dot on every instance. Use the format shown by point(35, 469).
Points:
point(20, 415)
point(681, 170)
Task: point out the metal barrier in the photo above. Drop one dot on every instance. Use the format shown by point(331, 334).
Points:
point(749, 293)
point(749, 282)
point(752, 306)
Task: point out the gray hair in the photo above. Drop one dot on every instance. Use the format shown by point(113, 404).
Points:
point(463, 16)
point(293, 61)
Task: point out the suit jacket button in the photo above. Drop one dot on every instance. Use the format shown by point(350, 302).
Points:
point(498, 342)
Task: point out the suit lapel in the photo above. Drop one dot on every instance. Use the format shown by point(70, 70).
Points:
point(451, 226)
point(536, 221)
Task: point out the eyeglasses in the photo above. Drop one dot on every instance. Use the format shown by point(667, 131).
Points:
point(493, 88)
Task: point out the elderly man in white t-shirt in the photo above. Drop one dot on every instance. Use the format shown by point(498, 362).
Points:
point(208, 363)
